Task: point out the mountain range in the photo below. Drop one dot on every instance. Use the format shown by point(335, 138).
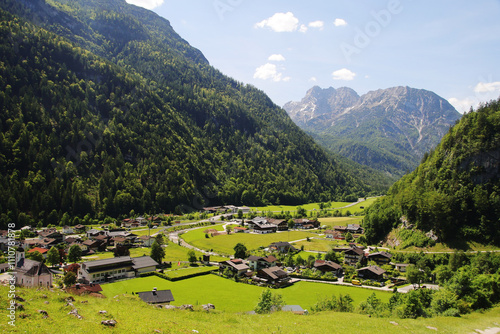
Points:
point(387, 129)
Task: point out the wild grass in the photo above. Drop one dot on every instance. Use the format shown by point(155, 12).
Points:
point(134, 316)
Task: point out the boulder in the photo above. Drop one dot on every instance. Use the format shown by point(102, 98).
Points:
point(110, 322)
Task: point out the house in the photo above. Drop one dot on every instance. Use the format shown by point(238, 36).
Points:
point(79, 228)
point(67, 230)
point(141, 221)
point(146, 240)
point(50, 233)
point(306, 223)
point(328, 266)
point(280, 224)
point(341, 229)
point(371, 272)
point(94, 245)
point(259, 262)
point(70, 240)
point(264, 228)
point(244, 209)
point(40, 250)
point(115, 268)
point(44, 243)
point(353, 255)
point(354, 229)
point(157, 297)
point(380, 258)
point(4, 267)
point(273, 275)
point(331, 234)
point(30, 273)
point(236, 266)
point(401, 267)
point(239, 229)
point(6, 242)
point(94, 233)
point(282, 247)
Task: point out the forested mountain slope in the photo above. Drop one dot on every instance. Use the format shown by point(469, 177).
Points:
point(105, 109)
point(456, 189)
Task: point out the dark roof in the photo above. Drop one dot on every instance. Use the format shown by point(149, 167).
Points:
point(374, 269)
point(143, 262)
point(156, 297)
point(358, 251)
point(321, 263)
point(274, 272)
point(270, 259)
point(32, 268)
point(255, 258)
point(236, 266)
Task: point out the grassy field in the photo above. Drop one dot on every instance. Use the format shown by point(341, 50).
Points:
point(320, 245)
point(176, 273)
point(136, 317)
point(292, 208)
point(199, 232)
point(230, 296)
point(340, 221)
point(224, 244)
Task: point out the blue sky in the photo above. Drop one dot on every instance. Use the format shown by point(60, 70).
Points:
point(285, 47)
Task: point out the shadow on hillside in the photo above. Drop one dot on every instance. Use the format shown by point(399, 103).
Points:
point(458, 244)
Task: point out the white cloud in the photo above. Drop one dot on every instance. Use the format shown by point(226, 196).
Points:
point(339, 22)
point(343, 74)
point(313, 79)
point(487, 87)
point(317, 24)
point(269, 71)
point(148, 4)
point(463, 105)
point(280, 22)
point(303, 28)
point(276, 57)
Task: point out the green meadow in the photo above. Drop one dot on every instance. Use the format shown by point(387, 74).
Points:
point(136, 317)
point(293, 208)
point(224, 244)
point(230, 296)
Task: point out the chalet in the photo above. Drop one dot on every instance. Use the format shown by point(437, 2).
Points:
point(380, 258)
point(157, 297)
point(354, 229)
point(31, 273)
point(50, 233)
point(146, 240)
point(331, 234)
point(280, 224)
point(154, 219)
point(354, 255)
point(401, 267)
point(371, 272)
point(260, 220)
point(341, 229)
point(264, 228)
point(121, 241)
point(236, 266)
point(305, 223)
point(141, 220)
point(259, 262)
point(239, 229)
point(104, 239)
point(44, 243)
point(94, 233)
point(67, 230)
point(70, 240)
point(282, 247)
point(274, 275)
point(40, 250)
point(79, 228)
point(94, 245)
point(115, 268)
point(328, 266)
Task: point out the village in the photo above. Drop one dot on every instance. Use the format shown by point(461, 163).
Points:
point(277, 264)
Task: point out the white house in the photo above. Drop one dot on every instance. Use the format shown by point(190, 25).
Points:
point(115, 268)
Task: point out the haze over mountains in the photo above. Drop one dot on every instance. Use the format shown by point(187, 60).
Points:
point(387, 129)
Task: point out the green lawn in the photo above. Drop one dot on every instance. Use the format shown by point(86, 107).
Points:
point(199, 232)
point(228, 295)
point(224, 244)
point(188, 271)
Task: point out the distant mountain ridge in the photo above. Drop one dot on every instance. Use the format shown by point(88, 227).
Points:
point(388, 129)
